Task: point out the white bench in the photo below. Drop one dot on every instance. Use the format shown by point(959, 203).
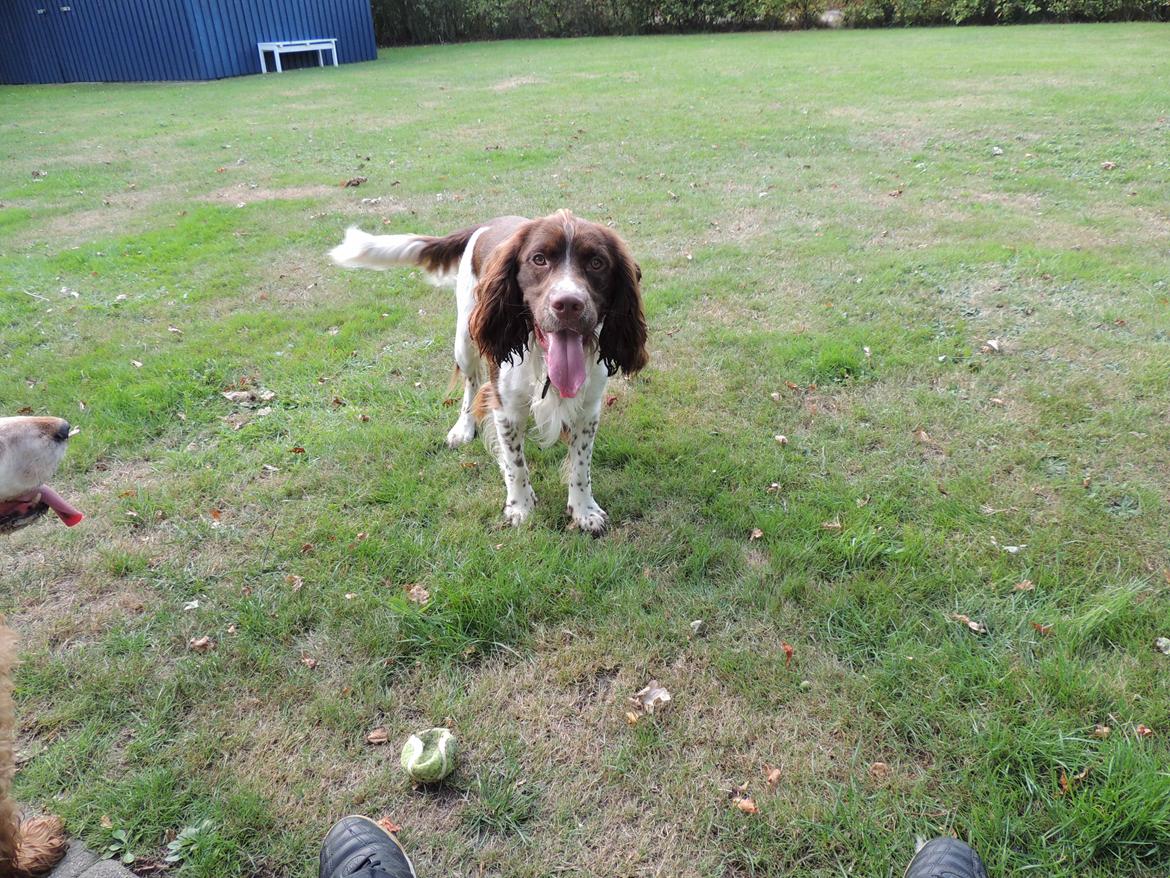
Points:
point(279, 47)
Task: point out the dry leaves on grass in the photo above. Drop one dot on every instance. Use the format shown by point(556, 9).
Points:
point(835, 525)
point(416, 594)
point(746, 804)
point(309, 662)
point(879, 770)
point(756, 534)
point(647, 700)
point(389, 825)
point(1042, 628)
point(1143, 731)
point(1102, 731)
point(977, 627)
point(249, 398)
point(772, 776)
point(378, 736)
point(1024, 585)
point(201, 644)
point(788, 651)
point(992, 346)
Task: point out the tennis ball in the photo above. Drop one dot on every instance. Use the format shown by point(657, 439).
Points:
point(430, 756)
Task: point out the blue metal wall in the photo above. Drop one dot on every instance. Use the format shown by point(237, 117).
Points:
point(137, 40)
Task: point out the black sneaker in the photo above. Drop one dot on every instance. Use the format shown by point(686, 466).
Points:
point(946, 858)
point(357, 847)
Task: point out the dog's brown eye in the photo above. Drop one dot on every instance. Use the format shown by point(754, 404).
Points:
point(538, 259)
point(596, 263)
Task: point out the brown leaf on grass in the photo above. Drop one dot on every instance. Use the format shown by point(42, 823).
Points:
point(201, 644)
point(922, 437)
point(378, 736)
point(297, 449)
point(338, 402)
point(216, 514)
point(991, 346)
point(632, 718)
point(309, 662)
point(416, 594)
point(772, 776)
point(1024, 585)
point(307, 548)
point(1143, 731)
point(791, 385)
point(1067, 783)
point(449, 401)
point(1108, 166)
point(388, 824)
point(106, 822)
point(834, 525)
point(746, 804)
point(977, 627)
point(353, 182)
point(781, 439)
point(879, 770)
point(894, 193)
point(788, 651)
point(364, 418)
point(1102, 731)
point(610, 400)
point(1043, 629)
point(651, 697)
point(756, 534)
point(295, 581)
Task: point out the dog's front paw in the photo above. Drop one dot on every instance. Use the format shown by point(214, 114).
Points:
point(519, 510)
point(590, 518)
point(462, 433)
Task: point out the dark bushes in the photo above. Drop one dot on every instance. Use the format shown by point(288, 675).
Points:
point(398, 22)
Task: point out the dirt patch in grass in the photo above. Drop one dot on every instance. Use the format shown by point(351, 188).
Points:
point(516, 82)
point(248, 193)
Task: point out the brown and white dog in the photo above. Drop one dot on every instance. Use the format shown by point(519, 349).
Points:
point(548, 309)
point(30, 450)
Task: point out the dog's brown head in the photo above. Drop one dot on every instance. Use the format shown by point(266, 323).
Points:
point(562, 278)
point(30, 451)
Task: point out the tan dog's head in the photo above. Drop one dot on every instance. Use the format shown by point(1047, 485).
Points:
point(30, 451)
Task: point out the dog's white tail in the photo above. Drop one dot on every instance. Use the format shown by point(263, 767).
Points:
point(439, 257)
point(362, 250)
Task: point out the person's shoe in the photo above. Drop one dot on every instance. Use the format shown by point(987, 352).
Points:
point(357, 847)
point(946, 858)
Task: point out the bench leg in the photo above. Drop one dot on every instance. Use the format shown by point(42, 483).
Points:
point(333, 49)
point(320, 59)
point(276, 56)
point(263, 63)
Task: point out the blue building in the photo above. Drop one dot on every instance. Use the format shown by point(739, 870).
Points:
point(145, 40)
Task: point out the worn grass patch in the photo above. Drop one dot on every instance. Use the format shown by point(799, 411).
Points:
point(831, 227)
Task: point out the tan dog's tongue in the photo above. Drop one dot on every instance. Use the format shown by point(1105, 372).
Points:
point(566, 362)
point(68, 514)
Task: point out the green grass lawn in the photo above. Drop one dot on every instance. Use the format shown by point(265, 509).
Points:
point(831, 227)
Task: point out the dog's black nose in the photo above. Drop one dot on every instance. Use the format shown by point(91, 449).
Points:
point(62, 432)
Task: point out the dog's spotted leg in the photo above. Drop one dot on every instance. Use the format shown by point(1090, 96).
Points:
point(583, 509)
point(464, 429)
point(510, 449)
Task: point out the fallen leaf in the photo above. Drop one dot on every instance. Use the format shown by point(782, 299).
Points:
point(136, 364)
point(378, 736)
point(879, 770)
point(995, 400)
point(106, 822)
point(834, 525)
point(175, 330)
point(389, 825)
point(350, 595)
point(788, 651)
point(632, 718)
point(201, 644)
point(1108, 166)
point(746, 804)
point(862, 501)
point(1043, 629)
point(295, 581)
point(781, 439)
point(449, 401)
point(216, 514)
point(922, 437)
point(610, 400)
point(1024, 585)
point(977, 627)
point(1102, 731)
point(771, 775)
point(353, 182)
point(698, 627)
point(308, 662)
point(775, 395)
point(364, 418)
point(1143, 731)
point(791, 385)
point(415, 593)
point(191, 605)
point(756, 534)
point(651, 697)
point(297, 449)
point(992, 345)
point(1162, 644)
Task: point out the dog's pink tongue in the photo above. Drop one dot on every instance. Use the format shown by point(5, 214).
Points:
point(566, 362)
point(68, 514)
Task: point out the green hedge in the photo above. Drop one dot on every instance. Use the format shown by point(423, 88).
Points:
point(398, 22)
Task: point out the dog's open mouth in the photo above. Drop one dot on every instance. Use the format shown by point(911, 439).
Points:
point(25, 510)
point(564, 351)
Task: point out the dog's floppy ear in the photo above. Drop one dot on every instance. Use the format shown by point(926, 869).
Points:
point(500, 322)
point(623, 335)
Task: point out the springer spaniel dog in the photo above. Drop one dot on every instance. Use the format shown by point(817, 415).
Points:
point(548, 309)
point(30, 450)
